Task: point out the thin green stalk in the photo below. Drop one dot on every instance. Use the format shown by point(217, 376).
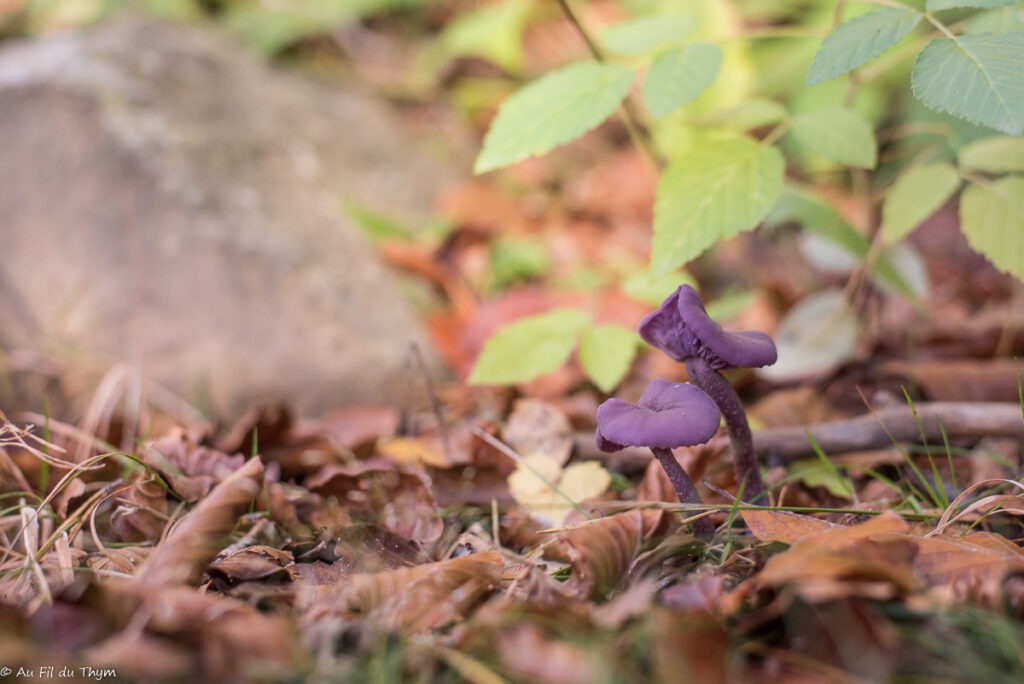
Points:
point(638, 133)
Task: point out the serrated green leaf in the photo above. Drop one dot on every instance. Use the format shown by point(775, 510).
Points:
point(606, 351)
point(553, 110)
point(679, 76)
point(529, 347)
point(713, 193)
point(992, 219)
point(998, 154)
point(838, 134)
point(978, 78)
point(938, 5)
point(859, 40)
point(647, 34)
point(915, 195)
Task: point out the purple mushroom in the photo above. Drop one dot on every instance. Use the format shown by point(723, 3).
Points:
point(682, 329)
point(667, 415)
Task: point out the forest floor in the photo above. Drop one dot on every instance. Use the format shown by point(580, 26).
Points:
point(417, 543)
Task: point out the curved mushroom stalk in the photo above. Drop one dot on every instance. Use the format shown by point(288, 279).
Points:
point(682, 329)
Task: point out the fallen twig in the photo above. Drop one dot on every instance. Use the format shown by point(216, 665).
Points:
point(870, 431)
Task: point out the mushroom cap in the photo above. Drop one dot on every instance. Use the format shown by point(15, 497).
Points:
point(682, 329)
point(667, 415)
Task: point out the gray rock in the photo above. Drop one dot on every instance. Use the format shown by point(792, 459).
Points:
point(170, 202)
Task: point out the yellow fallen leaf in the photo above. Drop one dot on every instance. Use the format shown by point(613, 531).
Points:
point(549, 492)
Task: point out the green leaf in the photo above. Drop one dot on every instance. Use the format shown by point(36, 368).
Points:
point(606, 352)
point(647, 34)
point(529, 347)
point(752, 113)
point(861, 39)
point(915, 195)
point(653, 288)
point(679, 76)
point(838, 134)
point(979, 78)
point(493, 31)
point(718, 190)
point(553, 110)
point(815, 473)
point(992, 219)
point(998, 154)
point(938, 5)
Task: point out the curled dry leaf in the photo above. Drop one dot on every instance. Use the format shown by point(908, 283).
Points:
point(541, 485)
point(255, 563)
point(419, 598)
point(194, 541)
point(229, 639)
point(141, 512)
point(783, 526)
point(872, 560)
point(190, 469)
point(398, 498)
point(117, 561)
point(601, 551)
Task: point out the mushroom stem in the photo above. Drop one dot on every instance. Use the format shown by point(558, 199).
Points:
point(722, 393)
point(686, 491)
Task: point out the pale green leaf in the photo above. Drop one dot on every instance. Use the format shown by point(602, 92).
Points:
point(998, 154)
point(529, 347)
point(679, 76)
point(606, 351)
point(992, 219)
point(979, 78)
point(861, 39)
point(915, 195)
point(553, 110)
point(1001, 19)
point(492, 31)
point(713, 193)
point(937, 5)
point(838, 134)
point(815, 473)
point(647, 34)
point(753, 113)
point(654, 288)
point(814, 337)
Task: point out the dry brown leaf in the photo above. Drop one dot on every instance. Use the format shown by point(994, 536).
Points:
point(531, 654)
point(400, 498)
point(182, 557)
point(123, 560)
point(602, 550)
point(417, 598)
point(783, 526)
point(255, 563)
point(873, 560)
point(972, 567)
point(141, 512)
point(535, 426)
point(190, 469)
point(689, 646)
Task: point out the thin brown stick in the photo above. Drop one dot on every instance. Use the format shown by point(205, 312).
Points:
point(779, 446)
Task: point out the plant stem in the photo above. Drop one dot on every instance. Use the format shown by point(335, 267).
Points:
point(637, 132)
point(722, 393)
point(686, 491)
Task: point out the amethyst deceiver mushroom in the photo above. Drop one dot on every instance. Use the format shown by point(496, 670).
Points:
point(667, 415)
point(682, 329)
